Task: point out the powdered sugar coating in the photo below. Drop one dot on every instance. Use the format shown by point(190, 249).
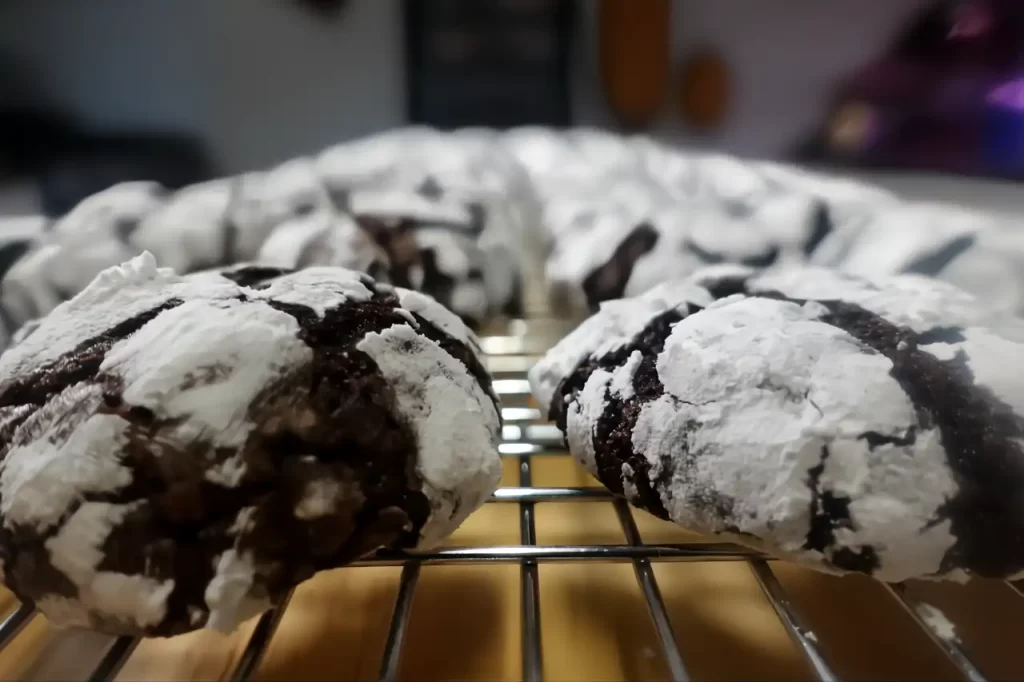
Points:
point(455, 423)
point(614, 327)
point(444, 244)
point(608, 215)
point(324, 238)
point(853, 424)
point(180, 451)
point(586, 180)
point(190, 231)
point(96, 233)
point(25, 248)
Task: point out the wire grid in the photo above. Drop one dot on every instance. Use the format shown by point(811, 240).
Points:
point(525, 434)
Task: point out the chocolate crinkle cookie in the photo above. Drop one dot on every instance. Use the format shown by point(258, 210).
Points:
point(178, 452)
point(852, 424)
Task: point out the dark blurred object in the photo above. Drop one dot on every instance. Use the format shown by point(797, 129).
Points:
point(31, 139)
point(94, 162)
point(42, 144)
point(924, 104)
point(496, 63)
point(325, 9)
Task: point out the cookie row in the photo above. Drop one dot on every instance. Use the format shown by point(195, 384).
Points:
point(621, 214)
point(455, 215)
point(451, 241)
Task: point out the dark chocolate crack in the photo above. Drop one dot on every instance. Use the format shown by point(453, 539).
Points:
point(609, 281)
point(340, 197)
point(333, 424)
point(725, 286)
point(11, 253)
point(398, 242)
point(828, 513)
point(981, 437)
point(27, 569)
point(230, 230)
point(350, 322)
point(254, 276)
point(758, 260)
point(430, 189)
point(379, 227)
point(303, 207)
point(617, 461)
point(613, 436)
point(80, 364)
point(477, 219)
point(515, 306)
point(935, 262)
point(440, 285)
point(821, 227)
point(761, 260)
point(124, 227)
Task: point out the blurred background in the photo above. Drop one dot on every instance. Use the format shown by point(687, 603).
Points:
point(925, 96)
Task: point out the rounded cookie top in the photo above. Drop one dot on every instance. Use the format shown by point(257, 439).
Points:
point(325, 238)
point(181, 451)
point(620, 251)
point(434, 245)
point(97, 233)
point(856, 425)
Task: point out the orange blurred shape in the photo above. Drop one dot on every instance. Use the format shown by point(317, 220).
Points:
point(634, 39)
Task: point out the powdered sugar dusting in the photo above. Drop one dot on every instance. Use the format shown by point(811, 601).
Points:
point(757, 382)
point(937, 621)
point(616, 324)
point(319, 288)
point(582, 415)
point(455, 421)
point(188, 231)
point(76, 551)
point(42, 478)
point(163, 393)
point(832, 419)
point(210, 379)
point(621, 383)
point(228, 595)
point(435, 313)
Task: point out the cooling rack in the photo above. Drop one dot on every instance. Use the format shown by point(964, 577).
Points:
point(525, 435)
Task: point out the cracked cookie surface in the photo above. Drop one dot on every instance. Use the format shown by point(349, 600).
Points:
point(179, 452)
point(872, 426)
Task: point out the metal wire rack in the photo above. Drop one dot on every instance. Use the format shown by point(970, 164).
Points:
point(526, 434)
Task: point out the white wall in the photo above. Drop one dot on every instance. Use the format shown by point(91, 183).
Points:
point(262, 80)
point(289, 83)
point(118, 62)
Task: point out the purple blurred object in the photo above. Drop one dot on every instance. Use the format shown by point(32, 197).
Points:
point(961, 95)
point(891, 82)
point(972, 21)
point(1008, 95)
point(947, 95)
point(1004, 130)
